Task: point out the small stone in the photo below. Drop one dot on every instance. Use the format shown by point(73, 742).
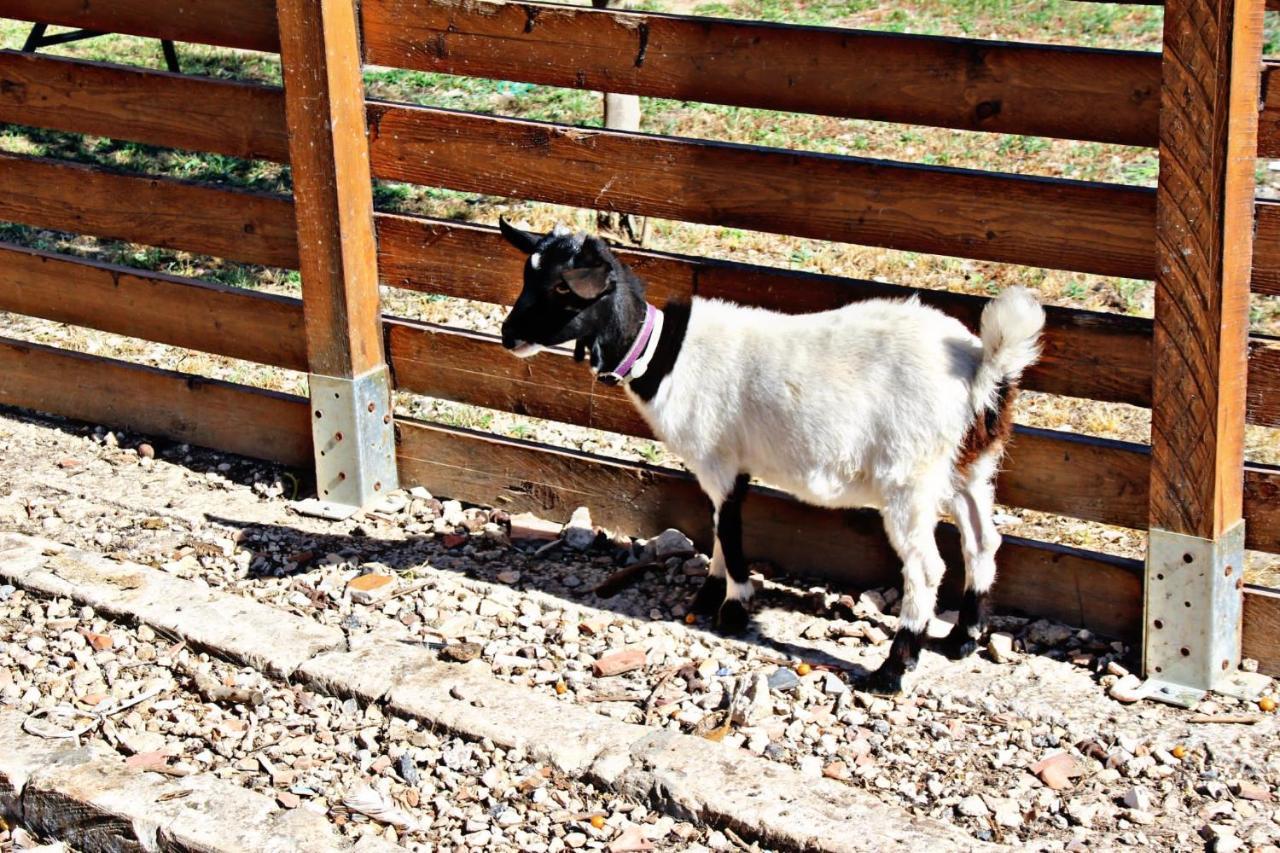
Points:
point(616, 663)
point(874, 635)
point(453, 540)
point(371, 588)
point(1056, 770)
point(1008, 814)
point(288, 799)
point(755, 703)
point(630, 840)
point(510, 576)
point(408, 769)
point(461, 652)
point(1046, 633)
point(151, 760)
point(1138, 798)
point(101, 642)
point(146, 451)
point(68, 462)
point(1000, 647)
point(1254, 791)
point(579, 533)
point(783, 679)
point(973, 806)
point(526, 525)
point(669, 543)
point(1128, 689)
point(837, 770)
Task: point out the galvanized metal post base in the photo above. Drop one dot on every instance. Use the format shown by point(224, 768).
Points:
point(354, 438)
point(1193, 602)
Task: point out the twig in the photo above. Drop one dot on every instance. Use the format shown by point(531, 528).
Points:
point(613, 697)
point(737, 839)
point(98, 716)
point(625, 576)
point(410, 591)
point(1240, 719)
point(653, 694)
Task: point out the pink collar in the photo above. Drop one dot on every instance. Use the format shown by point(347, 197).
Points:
point(620, 373)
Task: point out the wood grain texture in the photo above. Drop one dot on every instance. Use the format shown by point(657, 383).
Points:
point(152, 306)
point(1269, 118)
point(153, 107)
point(1262, 392)
point(1262, 507)
point(1208, 144)
point(332, 187)
point(251, 227)
point(1261, 639)
point(248, 24)
point(1078, 587)
point(177, 406)
point(1054, 472)
point(1103, 95)
point(1097, 228)
point(1266, 249)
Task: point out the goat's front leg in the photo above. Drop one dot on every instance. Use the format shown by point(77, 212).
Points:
point(728, 586)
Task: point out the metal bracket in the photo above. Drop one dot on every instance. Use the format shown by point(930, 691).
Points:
point(1192, 608)
point(353, 433)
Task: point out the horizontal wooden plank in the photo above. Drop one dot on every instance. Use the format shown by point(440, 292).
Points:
point(1055, 472)
point(970, 84)
point(251, 227)
point(1078, 587)
point(1266, 249)
point(153, 107)
point(1262, 507)
point(1261, 639)
point(247, 24)
point(189, 409)
point(1262, 391)
point(181, 312)
point(1097, 228)
point(1269, 118)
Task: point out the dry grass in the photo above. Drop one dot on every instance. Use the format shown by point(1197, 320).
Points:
point(1054, 21)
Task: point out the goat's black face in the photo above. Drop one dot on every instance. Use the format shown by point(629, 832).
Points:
point(569, 280)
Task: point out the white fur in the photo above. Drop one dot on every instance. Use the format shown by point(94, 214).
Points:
point(867, 405)
point(524, 349)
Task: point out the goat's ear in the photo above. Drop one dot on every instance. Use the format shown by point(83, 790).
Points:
point(522, 240)
point(588, 283)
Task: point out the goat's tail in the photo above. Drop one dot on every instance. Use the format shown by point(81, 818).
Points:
point(1010, 331)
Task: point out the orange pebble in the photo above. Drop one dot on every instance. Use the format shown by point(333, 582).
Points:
point(690, 618)
point(1267, 704)
point(560, 688)
point(803, 669)
point(1179, 752)
point(597, 821)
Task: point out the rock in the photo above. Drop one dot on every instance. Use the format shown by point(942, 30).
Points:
point(150, 760)
point(973, 806)
point(1045, 633)
point(784, 679)
point(100, 642)
point(1057, 770)
point(453, 540)
point(837, 770)
point(579, 533)
point(630, 840)
point(870, 603)
point(510, 576)
point(527, 526)
point(1138, 798)
point(616, 663)
point(1083, 813)
point(461, 652)
point(1127, 689)
point(1254, 791)
point(1139, 817)
point(754, 704)
point(873, 635)
point(1000, 647)
point(146, 451)
point(1008, 814)
point(288, 799)
point(668, 543)
point(371, 588)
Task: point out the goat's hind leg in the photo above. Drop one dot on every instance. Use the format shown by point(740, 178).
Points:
point(727, 588)
point(910, 524)
point(973, 507)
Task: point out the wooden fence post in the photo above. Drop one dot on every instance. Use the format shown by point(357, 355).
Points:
point(350, 385)
point(1204, 234)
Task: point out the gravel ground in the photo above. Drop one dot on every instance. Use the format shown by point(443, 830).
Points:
point(1022, 744)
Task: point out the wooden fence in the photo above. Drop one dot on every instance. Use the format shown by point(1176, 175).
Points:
point(968, 84)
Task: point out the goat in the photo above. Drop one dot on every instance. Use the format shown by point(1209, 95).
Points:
point(884, 403)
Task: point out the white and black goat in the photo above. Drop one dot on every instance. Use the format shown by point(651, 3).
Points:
point(881, 403)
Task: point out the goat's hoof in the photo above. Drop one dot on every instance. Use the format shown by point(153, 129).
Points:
point(957, 645)
point(709, 598)
point(882, 682)
point(733, 617)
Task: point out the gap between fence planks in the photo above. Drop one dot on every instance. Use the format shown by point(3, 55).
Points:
point(43, 91)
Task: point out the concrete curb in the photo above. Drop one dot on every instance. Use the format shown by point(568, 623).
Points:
point(687, 776)
point(87, 797)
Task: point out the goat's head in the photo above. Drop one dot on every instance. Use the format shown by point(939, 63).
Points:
point(574, 290)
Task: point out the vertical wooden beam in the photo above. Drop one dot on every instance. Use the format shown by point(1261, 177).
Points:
point(333, 192)
point(332, 187)
point(1204, 232)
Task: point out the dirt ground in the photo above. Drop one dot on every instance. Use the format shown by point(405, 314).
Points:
point(964, 745)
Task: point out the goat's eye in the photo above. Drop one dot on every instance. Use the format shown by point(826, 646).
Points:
point(562, 289)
